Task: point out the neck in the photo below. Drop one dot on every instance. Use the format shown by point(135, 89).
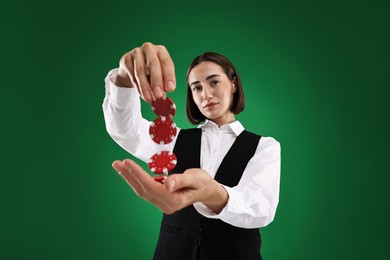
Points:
point(224, 120)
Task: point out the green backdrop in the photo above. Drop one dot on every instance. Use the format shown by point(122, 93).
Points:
point(316, 75)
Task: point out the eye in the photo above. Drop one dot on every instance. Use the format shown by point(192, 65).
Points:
point(214, 82)
point(197, 88)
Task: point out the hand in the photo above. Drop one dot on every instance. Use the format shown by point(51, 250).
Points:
point(178, 190)
point(149, 68)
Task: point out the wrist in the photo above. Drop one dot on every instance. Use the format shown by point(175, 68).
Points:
point(217, 199)
point(120, 82)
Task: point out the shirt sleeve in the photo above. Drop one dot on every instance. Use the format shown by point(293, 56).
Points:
point(124, 121)
point(253, 202)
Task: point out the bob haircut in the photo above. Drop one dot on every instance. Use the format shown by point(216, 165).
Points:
point(193, 113)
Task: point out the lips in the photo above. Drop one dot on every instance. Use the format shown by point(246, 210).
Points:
point(210, 104)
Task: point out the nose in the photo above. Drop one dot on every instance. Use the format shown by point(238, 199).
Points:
point(206, 93)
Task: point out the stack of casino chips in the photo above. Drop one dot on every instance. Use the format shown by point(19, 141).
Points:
point(162, 131)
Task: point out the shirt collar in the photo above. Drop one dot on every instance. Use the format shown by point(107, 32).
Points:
point(235, 127)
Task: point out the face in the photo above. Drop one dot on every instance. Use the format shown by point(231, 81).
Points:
point(212, 92)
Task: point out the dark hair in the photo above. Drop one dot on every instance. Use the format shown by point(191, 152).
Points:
point(193, 113)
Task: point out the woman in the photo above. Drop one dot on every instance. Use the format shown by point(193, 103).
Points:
point(225, 185)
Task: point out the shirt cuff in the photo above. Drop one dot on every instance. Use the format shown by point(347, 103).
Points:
point(204, 210)
point(120, 97)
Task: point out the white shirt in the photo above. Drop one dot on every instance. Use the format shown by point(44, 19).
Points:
point(251, 204)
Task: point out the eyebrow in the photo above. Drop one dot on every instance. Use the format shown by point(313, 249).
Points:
point(208, 77)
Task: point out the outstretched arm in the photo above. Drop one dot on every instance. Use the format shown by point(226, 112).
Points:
point(178, 190)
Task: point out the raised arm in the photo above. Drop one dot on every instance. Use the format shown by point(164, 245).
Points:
point(145, 71)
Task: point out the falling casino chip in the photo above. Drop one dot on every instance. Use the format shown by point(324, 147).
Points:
point(160, 178)
point(163, 106)
point(162, 162)
point(162, 130)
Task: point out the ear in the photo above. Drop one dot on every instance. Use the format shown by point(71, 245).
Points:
point(234, 88)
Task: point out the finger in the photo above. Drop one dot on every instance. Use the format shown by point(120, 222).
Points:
point(168, 69)
point(151, 190)
point(131, 175)
point(140, 73)
point(138, 172)
point(144, 180)
point(125, 172)
point(156, 81)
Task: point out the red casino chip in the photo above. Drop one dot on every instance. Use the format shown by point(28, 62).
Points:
point(162, 162)
point(163, 106)
point(160, 178)
point(162, 130)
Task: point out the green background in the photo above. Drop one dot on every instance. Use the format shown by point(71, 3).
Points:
point(316, 75)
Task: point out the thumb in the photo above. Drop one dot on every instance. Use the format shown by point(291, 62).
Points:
point(176, 182)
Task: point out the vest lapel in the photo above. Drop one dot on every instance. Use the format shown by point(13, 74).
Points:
point(234, 163)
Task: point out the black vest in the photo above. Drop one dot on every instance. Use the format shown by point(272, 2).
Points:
point(186, 234)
